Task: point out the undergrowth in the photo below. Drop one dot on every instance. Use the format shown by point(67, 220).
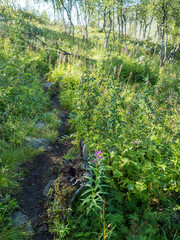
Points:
point(121, 103)
point(23, 105)
point(129, 110)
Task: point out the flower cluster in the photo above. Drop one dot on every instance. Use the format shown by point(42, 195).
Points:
point(98, 155)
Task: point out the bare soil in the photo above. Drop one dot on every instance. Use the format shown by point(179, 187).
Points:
point(40, 171)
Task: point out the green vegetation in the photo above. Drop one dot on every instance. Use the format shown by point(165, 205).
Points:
point(121, 103)
point(133, 119)
point(23, 103)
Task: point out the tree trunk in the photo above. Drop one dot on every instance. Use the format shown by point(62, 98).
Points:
point(130, 27)
point(136, 26)
point(119, 27)
point(162, 35)
point(98, 24)
point(122, 32)
point(54, 8)
point(78, 15)
point(166, 41)
point(110, 25)
point(113, 28)
point(156, 42)
point(145, 30)
point(149, 29)
point(68, 10)
point(125, 33)
point(72, 29)
point(64, 21)
point(104, 26)
point(140, 29)
point(69, 28)
point(86, 20)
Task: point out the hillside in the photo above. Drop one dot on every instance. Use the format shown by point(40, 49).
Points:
point(99, 124)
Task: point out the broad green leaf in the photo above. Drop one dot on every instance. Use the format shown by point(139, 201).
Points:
point(130, 187)
point(140, 186)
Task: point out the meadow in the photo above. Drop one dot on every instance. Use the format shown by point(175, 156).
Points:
point(122, 104)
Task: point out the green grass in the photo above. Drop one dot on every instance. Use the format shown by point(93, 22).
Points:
point(121, 103)
point(23, 104)
point(133, 119)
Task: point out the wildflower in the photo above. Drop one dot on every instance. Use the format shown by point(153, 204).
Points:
point(156, 90)
point(170, 98)
point(98, 155)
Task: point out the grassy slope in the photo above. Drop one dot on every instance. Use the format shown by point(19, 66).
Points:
point(23, 103)
point(134, 122)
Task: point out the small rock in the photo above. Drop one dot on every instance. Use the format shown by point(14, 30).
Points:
point(85, 153)
point(48, 85)
point(38, 143)
point(18, 219)
point(40, 125)
point(47, 187)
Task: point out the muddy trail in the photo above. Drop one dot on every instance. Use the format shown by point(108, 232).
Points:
point(40, 171)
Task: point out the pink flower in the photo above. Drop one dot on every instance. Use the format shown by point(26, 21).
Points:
point(156, 90)
point(98, 155)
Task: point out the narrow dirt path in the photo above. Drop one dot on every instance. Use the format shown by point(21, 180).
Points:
point(44, 168)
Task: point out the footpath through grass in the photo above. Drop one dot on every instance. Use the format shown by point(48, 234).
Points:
point(122, 105)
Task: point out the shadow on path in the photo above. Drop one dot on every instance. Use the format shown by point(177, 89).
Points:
point(44, 168)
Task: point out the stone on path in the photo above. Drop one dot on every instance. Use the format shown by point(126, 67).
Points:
point(38, 143)
point(40, 125)
point(48, 85)
point(47, 187)
point(20, 219)
point(85, 153)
